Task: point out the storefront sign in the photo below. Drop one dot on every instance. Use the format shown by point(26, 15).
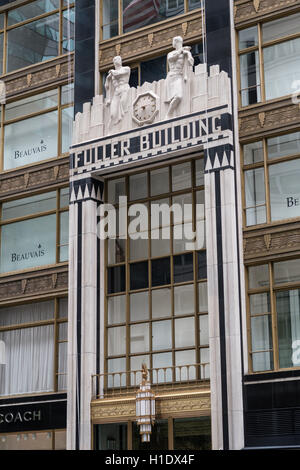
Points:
point(32, 416)
point(153, 140)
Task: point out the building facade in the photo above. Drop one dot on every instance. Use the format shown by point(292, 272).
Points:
point(184, 107)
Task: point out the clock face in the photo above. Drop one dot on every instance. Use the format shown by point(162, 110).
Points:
point(144, 108)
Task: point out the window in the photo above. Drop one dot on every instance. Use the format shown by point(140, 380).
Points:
point(35, 338)
point(156, 302)
point(39, 440)
point(38, 127)
point(34, 231)
point(122, 16)
point(35, 32)
point(154, 69)
point(269, 59)
point(271, 175)
point(274, 315)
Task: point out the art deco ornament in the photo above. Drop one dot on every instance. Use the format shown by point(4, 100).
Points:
point(145, 406)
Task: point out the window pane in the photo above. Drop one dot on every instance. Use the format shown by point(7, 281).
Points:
point(261, 333)
point(258, 276)
point(139, 306)
point(64, 198)
point(184, 332)
point(284, 145)
point(27, 313)
point(161, 335)
point(161, 303)
point(116, 279)
point(248, 38)
point(203, 330)
point(110, 18)
point(64, 236)
point(260, 303)
point(34, 42)
point(183, 268)
point(205, 361)
point(199, 167)
point(30, 140)
point(184, 368)
point(202, 297)
point(29, 205)
point(159, 181)
point(2, 15)
point(202, 269)
point(111, 436)
point(63, 331)
point(138, 248)
point(116, 341)
point(114, 368)
point(163, 364)
point(67, 93)
point(288, 320)
point(68, 30)
point(160, 271)
point(250, 78)
point(262, 361)
point(287, 271)
point(280, 75)
point(62, 358)
point(280, 28)
point(138, 186)
point(194, 4)
point(1, 52)
point(36, 246)
point(192, 433)
point(253, 153)
point(67, 115)
point(159, 437)
point(184, 299)
point(183, 235)
point(153, 70)
point(30, 105)
point(116, 250)
point(116, 307)
point(160, 246)
point(184, 212)
point(255, 196)
point(284, 190)
point(181, 176)
point(139, 14)
point(115, 189)
point(29, 360)
point(139, 338)
point(31, 10)
point(139, 275)
point(63, 308)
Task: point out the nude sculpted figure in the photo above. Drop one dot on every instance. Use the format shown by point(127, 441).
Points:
point(179, 62)
point(117, 88)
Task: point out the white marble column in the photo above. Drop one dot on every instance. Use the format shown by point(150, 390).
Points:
point(224, 297)
point(83, 355)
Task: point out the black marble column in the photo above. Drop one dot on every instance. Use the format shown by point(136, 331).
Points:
point(84, 52)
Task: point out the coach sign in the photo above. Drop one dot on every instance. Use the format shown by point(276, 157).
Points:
point(32, 416)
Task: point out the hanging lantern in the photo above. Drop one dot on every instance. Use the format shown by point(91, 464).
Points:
point(145, 406)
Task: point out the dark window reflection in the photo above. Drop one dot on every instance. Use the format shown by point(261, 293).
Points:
point(153, 70)
point(33, 42)
point(139, 275)
point(115, 279)
point(134, 77)
point(111, 436)
point(183, 268)
point(192, 433)
point(160, 272)
point(202, 268)
point(158, 437)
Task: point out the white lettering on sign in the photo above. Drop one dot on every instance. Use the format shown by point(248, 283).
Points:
point(20, 417)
